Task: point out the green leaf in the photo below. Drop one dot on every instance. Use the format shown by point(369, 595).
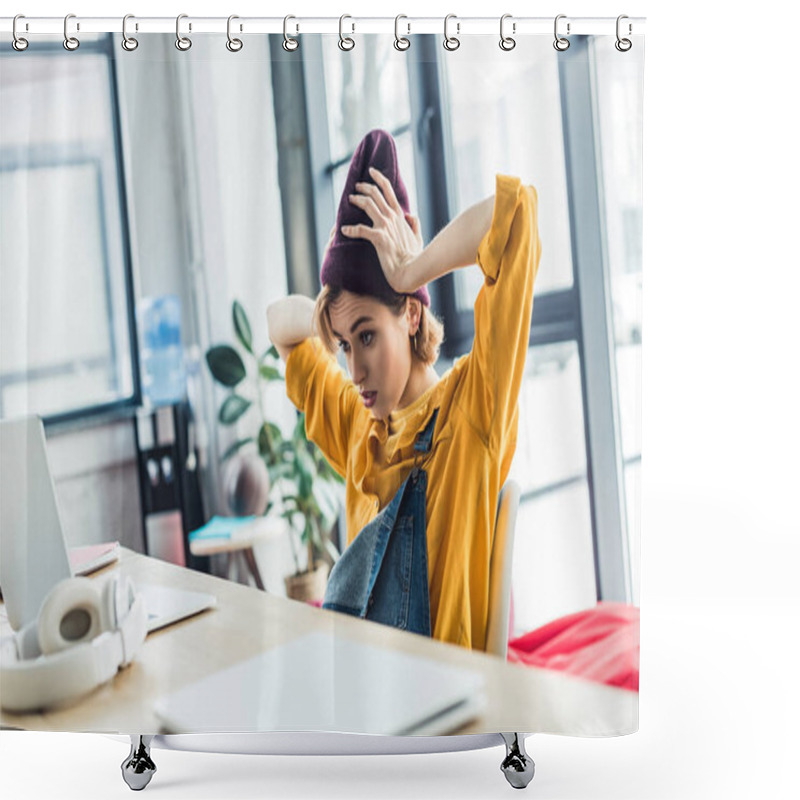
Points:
point(307, 462)
point(270, 442)
point(324, 469)
point(289, 516)
point(307, 470)
point(327, 473)
point(242, 326)
point(316, 539)
point(226, 365)
point(278, 471)
point(299, 432)
point(271, 351)
point(327, 503)
point(269, 373)
point(235, 446)
point(233, 408)
point(265, 445)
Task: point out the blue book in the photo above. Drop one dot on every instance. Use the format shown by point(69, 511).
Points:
point(220, 528)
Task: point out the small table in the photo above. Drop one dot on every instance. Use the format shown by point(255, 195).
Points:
point(239, 546)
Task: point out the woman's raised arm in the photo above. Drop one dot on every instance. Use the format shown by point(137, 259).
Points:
point(454, 246)
point(289, 322)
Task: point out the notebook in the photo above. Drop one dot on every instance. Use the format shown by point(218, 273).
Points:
point(324, 682)
point(89, 558)
point(33, 550)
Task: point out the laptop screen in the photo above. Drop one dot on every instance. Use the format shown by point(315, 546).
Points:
point(33, 551)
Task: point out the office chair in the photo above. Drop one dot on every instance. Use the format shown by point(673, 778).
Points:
point(500, 570)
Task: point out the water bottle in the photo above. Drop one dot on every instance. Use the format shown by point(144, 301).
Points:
point(161, 354)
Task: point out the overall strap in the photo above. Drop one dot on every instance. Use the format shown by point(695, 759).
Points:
point(423, 444)
point(424, 439)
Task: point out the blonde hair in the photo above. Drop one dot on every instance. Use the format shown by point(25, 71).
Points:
point(424, 344)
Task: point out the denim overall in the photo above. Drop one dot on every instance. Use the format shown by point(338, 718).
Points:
point(383, 575)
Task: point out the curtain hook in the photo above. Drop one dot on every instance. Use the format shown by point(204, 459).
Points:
point(19, 44)
point(233, 45)
point(401, 42)
point(128, 42)
point(181, 42)
point(289, 44)
point(345, 42)
point(623, 45)
point(70, 42)
point(506, 42)
point(451, 42)
point(560, 42)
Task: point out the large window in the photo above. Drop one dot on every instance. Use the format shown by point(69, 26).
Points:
point(517, 97)
point(571, 121)
point(618, 90)
point(367, 89)
point(514, 137)
point(66, 323)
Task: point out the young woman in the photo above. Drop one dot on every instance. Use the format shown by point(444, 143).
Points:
point(424, 457)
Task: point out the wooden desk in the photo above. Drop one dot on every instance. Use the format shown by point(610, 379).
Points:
point(247, 621)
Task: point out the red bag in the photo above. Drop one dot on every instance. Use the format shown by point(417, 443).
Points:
point(599, 644)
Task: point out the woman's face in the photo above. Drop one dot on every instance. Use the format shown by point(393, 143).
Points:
point(376, 344)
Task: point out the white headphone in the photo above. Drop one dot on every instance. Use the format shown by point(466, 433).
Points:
point(81, 637)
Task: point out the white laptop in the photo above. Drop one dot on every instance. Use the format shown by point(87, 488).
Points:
point(33, 550)
point(324, 682)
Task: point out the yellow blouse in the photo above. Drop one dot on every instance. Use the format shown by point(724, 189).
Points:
point(476, 430)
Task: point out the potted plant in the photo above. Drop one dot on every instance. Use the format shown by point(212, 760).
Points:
point(310, 504)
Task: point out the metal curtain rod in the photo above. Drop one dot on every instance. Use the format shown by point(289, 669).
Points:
point(461, 26)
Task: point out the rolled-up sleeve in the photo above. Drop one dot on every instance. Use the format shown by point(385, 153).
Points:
point(509, 256)
point(318, 386)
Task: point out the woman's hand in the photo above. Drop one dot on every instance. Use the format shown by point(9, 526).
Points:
point(395, 235)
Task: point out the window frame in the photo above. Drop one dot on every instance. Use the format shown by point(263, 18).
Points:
point(124, 407)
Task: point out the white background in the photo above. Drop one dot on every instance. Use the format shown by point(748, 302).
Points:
point(720, 606)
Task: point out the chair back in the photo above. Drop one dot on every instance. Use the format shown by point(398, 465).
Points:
point(500, 570)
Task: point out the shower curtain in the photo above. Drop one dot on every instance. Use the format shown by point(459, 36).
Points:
point(158, 198)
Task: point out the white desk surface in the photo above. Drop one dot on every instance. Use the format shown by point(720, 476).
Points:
point(247, 621)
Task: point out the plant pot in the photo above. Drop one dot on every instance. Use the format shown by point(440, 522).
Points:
point(308, 586)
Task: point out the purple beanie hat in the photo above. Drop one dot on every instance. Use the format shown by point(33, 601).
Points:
point(352, 262)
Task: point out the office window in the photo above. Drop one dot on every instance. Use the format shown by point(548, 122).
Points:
point(618, 88)
point(554, 562)
point(515, 138)
point(550, 445)
point(65, 297)
point(367, 89)
point(553, 575)
point(554, 571)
